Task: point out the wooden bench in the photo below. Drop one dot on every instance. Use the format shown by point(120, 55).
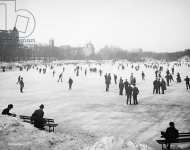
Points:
point(49, 122)
point(183, 138)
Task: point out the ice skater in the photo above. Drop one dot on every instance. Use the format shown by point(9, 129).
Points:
point(121, 86)
point(163, 85)
point(21, 83)
point(135, 93)
point(143, 75)
point(115, 78)
point(178, 78)
point(187, 82)
point(53, 73)
point(107, 81)
point(60, 77)
point(18, 80)
point(128, 90)
point(70, 83)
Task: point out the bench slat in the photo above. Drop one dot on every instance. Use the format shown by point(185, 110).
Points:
point(180, 140)
point(29, 117)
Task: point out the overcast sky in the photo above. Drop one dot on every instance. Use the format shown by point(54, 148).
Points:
point(154, 25)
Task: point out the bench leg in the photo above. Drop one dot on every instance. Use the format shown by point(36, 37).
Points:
point(53, 129)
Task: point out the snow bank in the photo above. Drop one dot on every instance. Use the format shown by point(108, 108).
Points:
point(17, 135)
point(112, 143)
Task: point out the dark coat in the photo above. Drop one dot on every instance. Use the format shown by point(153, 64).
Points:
point(135, 91)
point(37, 118)
point(171, 134)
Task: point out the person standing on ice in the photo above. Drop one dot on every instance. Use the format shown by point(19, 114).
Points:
point(131, 78)
point(21, 83)
point(100, 72)
point(135, 93)
point(187, 82)
point(115, 78)
point(109, 77)
point(167, 79)
point(129, 91)
point(70, 83)
point(163, 85)
point(60, 77)
point(178, 78)
point(107, 81)
point(171, 78)
point(173, 70)
point(53, 73)
point(18, 80)
point(121, 86)
point(159, 86)
point(143, 75)
point(154, 85)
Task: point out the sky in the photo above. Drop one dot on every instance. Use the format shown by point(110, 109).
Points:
point(153, 25)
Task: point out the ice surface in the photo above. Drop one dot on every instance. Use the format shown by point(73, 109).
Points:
point(90, 113)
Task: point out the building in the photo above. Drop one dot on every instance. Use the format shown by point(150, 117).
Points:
point(51, 43)
point(89, 49)
point(9, 39)
point(137, 50)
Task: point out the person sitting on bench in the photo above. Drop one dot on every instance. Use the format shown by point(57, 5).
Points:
point(170, 135)
point(37, 118)
point(6, 111)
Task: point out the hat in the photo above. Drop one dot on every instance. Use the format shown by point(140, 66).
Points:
point(172, 124)
point(10, 106)
point(41, 106)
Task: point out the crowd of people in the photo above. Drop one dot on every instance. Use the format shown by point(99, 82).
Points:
point(128, 88)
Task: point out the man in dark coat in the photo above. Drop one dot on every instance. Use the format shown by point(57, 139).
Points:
point(135, 93)
point(121, 86)
point(155, 85)
point(6, 111)
point(128, 90)
point(21, 83)
point(126, 83)
point(158, 86)
point(115, 78)
point(163, 85)
point(143, 75)
point(37, 118)
point(171, 134)
point(187, 82)
point(60, 77)
point(168, 79)
point(70, 83)
point(107, 81)
point(178, 78)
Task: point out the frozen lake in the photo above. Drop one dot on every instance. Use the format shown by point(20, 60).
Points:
point(88, 108)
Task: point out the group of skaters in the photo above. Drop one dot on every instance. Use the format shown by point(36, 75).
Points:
point(160, 83)
point(131, 91)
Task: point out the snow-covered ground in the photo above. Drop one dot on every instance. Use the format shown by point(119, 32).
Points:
point(90, 113)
